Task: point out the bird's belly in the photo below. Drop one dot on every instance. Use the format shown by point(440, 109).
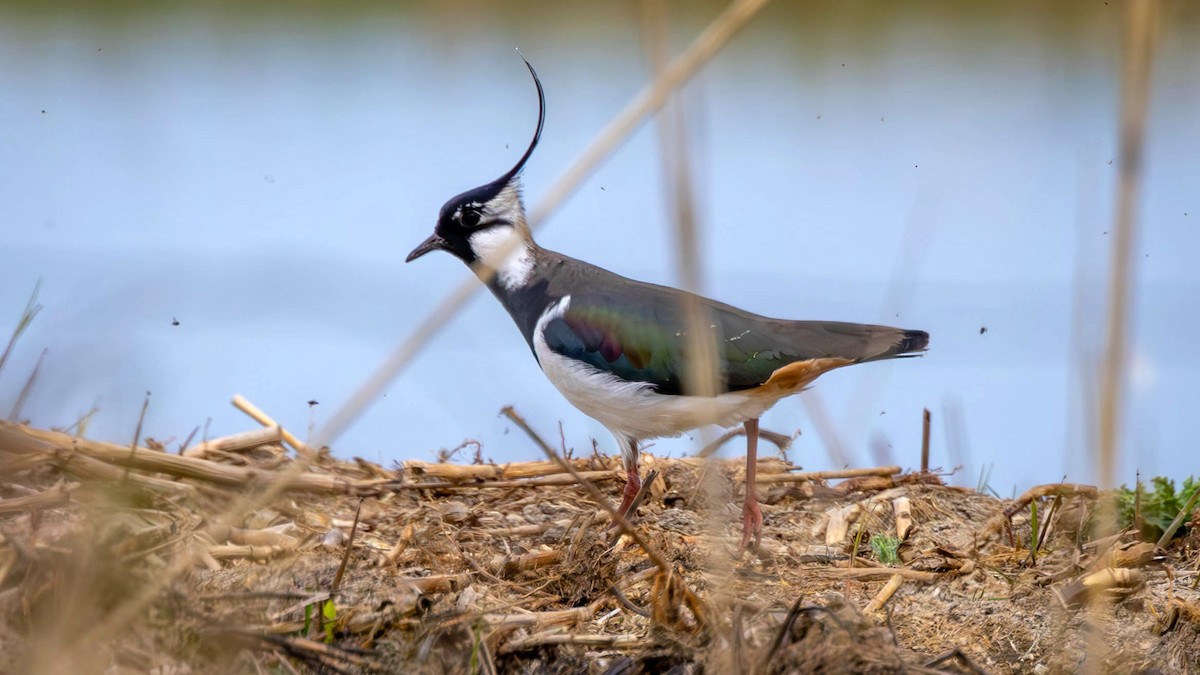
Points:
point(636, 410)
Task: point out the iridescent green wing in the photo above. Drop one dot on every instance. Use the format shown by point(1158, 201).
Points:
point(646, 341)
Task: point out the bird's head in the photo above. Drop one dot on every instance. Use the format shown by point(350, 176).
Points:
point(478, 223)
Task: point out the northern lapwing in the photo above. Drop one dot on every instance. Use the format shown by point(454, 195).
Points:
point(617, 348)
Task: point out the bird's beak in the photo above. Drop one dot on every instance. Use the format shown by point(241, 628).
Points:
point(433, 243)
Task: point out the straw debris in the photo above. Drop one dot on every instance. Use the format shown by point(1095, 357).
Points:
point(114, 560)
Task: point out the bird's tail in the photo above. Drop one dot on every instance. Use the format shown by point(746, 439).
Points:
point(913, 343)
point(857, 342)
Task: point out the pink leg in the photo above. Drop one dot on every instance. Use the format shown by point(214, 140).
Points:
point(752, 518)
point(633, 482)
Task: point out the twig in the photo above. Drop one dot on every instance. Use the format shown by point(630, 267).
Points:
point(80, 425)
point(637, 501)
point(337, 578)
point(137, 433)
point(781, 441)
point(20, 403)
point(31, 310)
point(183, 446)
point(641, 493)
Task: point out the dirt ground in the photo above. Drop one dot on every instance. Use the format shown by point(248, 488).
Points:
point(232, 557)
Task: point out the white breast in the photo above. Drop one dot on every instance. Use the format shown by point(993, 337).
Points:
point(634, 409)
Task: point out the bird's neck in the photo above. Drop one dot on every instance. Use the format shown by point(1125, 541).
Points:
point(519, 281)
point(504, 257)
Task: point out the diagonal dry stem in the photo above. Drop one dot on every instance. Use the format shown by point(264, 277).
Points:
point(699, 52)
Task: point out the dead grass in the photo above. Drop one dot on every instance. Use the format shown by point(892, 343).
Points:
point(511, 568)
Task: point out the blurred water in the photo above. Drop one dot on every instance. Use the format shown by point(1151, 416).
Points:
point(259, 175)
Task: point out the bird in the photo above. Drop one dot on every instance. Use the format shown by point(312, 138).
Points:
point(618, 349)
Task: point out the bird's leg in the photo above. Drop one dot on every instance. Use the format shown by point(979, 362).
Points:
point(633, 482)
point(752, 518)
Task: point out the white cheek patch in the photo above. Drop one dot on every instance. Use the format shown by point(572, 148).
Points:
point(514, 269)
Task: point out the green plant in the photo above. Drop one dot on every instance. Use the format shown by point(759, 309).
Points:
point(1159, 501)
point(328, 618)
point(886, 548)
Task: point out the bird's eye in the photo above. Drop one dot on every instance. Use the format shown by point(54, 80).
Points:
point(470, 218)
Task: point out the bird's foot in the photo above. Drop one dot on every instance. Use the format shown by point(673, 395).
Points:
point(752, 521)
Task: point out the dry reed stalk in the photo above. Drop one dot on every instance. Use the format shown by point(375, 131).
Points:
point(1132, 555)
point(765, 465)
point(1050, 490)
point(866, 573)
point(884, 594)
point(881, 471)
point(544, 481)
point(699, 52)
point(515, 470)
point(59, 495)
point(925, 419)
point(1083, 589)
point(1140, 23)
point(264, 419)
point(23, 439)
point(838, 524)
point(542, 619)
point(622, 641)
point(357, 622)
point(509, 565)
point(902, 508)
point(237, 442)
point(437, 583)
point(1001, 520)
point(527, 530)
point(88, 468)
point(237, 535)
point(241, 552)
